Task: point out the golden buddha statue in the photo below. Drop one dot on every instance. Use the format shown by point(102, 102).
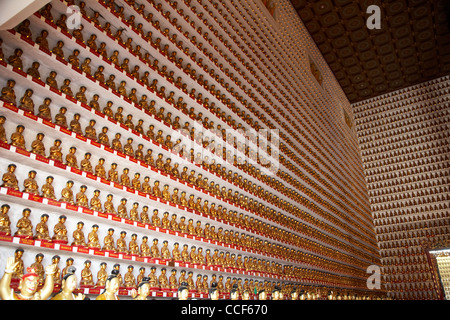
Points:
point(176, 255)
point(42, 232)
point(78, 235)
point(5, 222)
point(145, 248)
point(60, 230)
point(24, 225)
point(95, 203)
point(108, 241)
point(8, 93)
point(17, 138)
point(133, 247)
point(121, 245)
point(144, 215)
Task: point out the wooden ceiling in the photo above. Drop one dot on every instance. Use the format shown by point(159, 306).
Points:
point(412, 46)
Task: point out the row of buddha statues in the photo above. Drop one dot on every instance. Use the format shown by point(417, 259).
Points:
point(135, 213)
point(52, 278)
point(128, 148)
point(193, 255)
point(55, 153)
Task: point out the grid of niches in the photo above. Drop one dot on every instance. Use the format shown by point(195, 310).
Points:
point(249, 45)
point(367, 213)
point(410, 191)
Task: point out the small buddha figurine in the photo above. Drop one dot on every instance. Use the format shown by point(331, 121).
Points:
point(57, 50)
point(103, 137)
point(129, 278)
point(154, 250)
point(124, 178)
point(116, 144)
point(113, 175)
point(102, 275)
point(86, 276)
point(60, 230)
point(183, 201)
point(2, 129)
point(26, 102)
point(93, 240)
point(185, 254)
point(156, 222)
point(144, 248)
point(67, 193)
point(133, 247)
point(71, 158)
point(128, 148)
point(156, 191)
point(95, 203)
point(55, 152)
point(5, 222)
point(75, 125)
point(30, 184)
point(108, 241)
point(44, 110)
point(9, 178)
point(165, 252)
point(134, 213)
point(78, 235)
point(148, 158)
point(42, 232)
point(176, 254)
point(81, 199)
point(153, 278)
point(162, 279)
point(60, 118)
point(159, 162)
point(85, 164)
point(38, 146)
point(51, 80)
point(122, 211)
point(99, 169)
point(90, 131)
point(47, 189)
point(121, 245)
point(41, 40)
point(15, 59)
point(17, 138)
point(144, 215)
point(109, 205)
point(173, 282)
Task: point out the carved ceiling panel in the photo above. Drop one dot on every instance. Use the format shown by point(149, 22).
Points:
point(412, 45)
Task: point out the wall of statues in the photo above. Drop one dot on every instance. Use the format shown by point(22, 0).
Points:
point(159, 139)
point(404, 139)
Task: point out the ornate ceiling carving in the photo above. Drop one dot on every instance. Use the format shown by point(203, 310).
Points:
point(412, 46)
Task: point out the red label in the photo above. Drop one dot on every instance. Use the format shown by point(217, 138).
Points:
point(14, 193)
point(26, 241)
point(65, 247)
